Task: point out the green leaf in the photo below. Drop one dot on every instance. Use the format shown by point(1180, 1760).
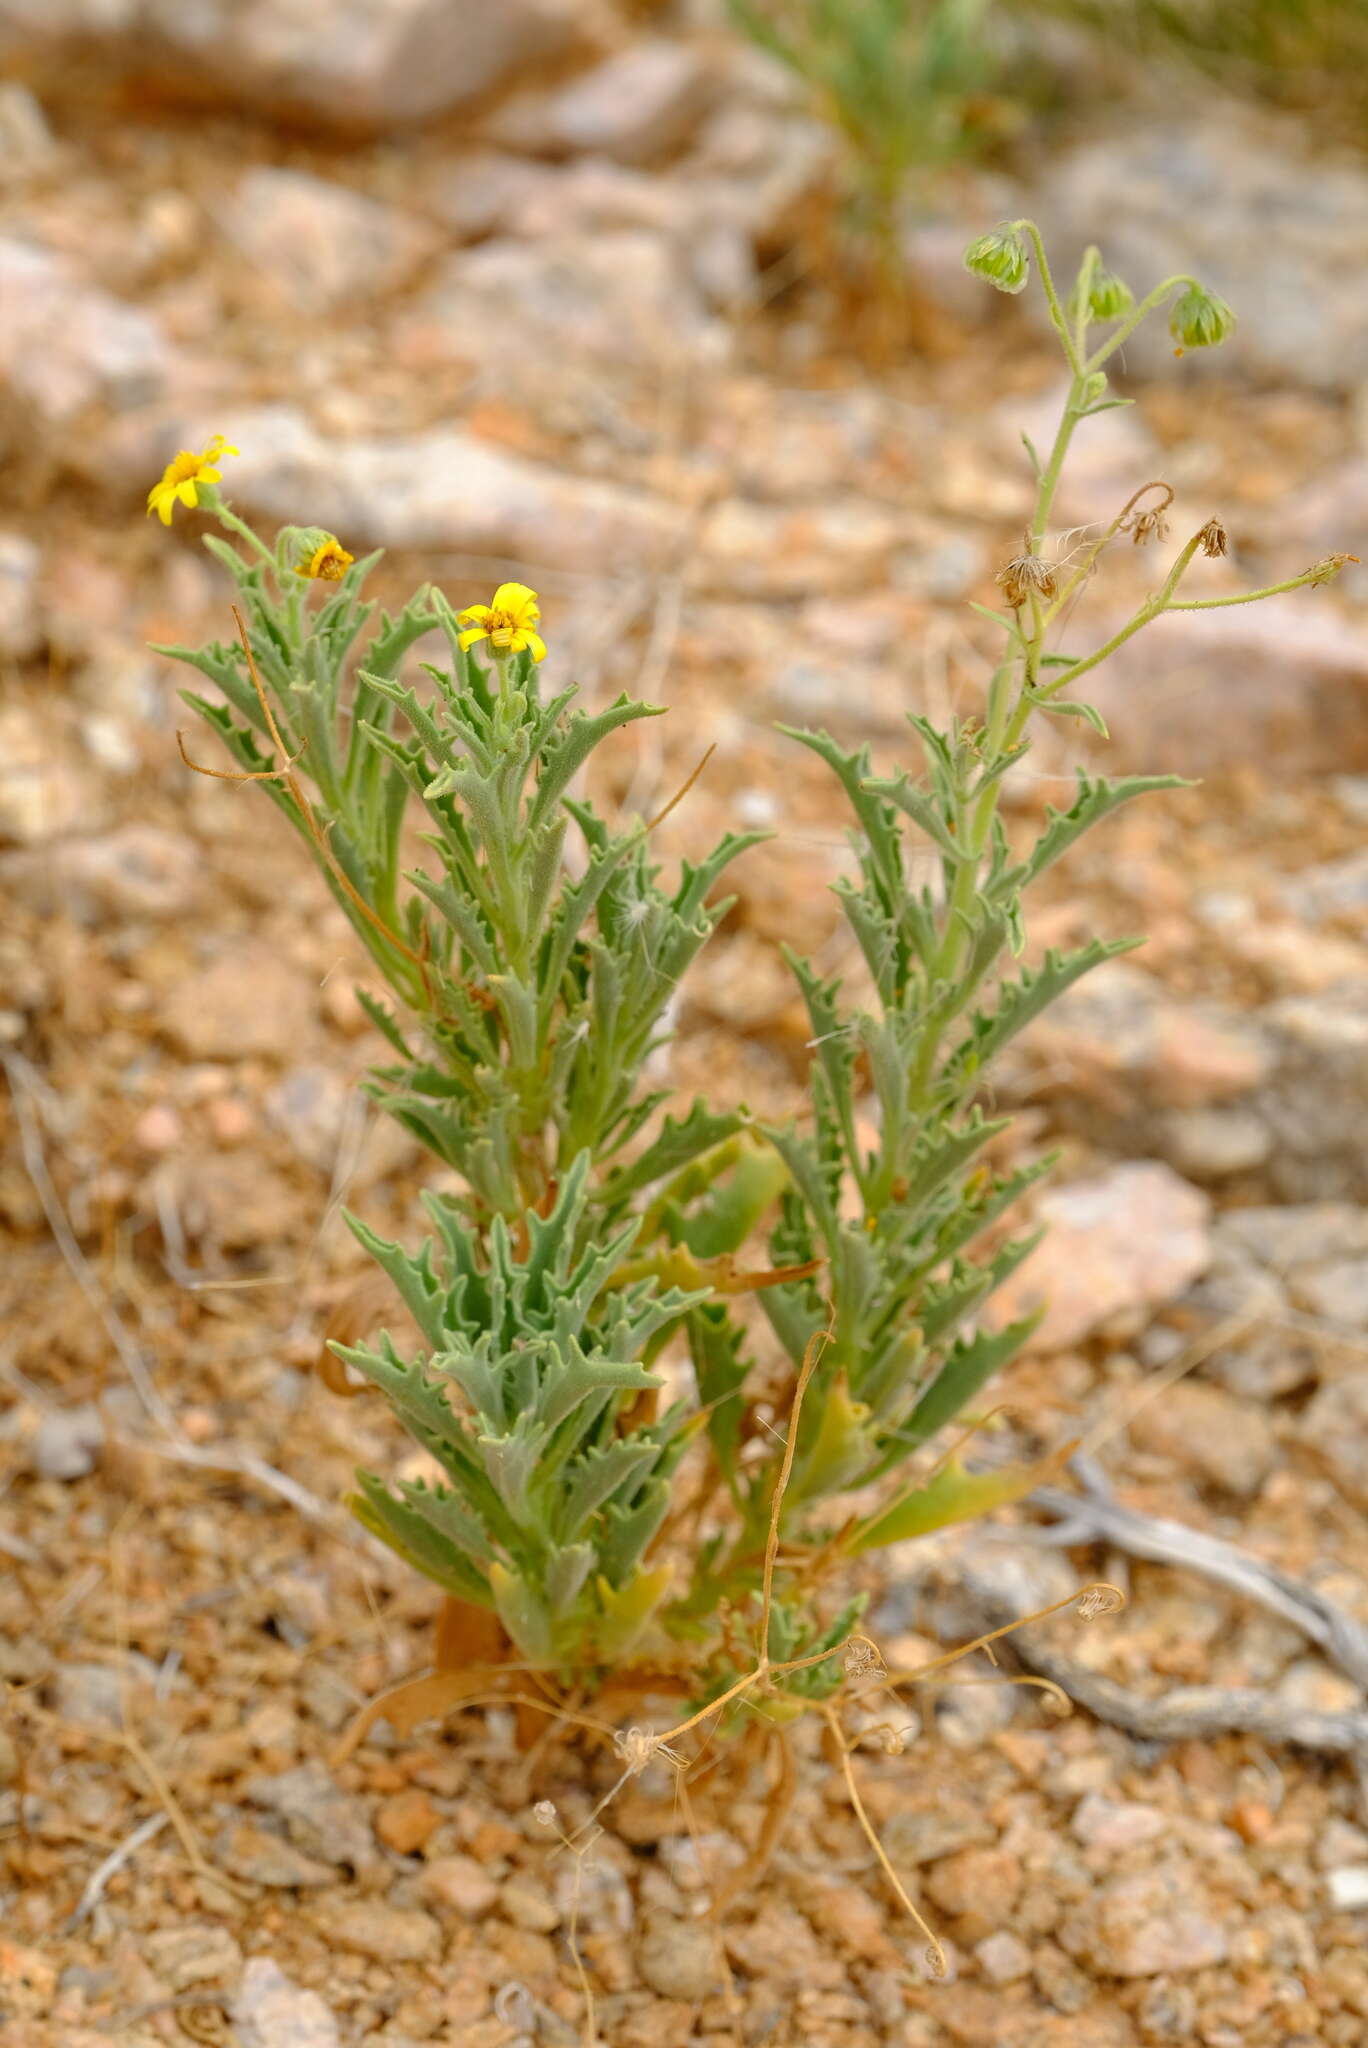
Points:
point(971, 1363)
point(953, 1495)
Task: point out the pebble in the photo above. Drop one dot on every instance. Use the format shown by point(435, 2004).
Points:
point(322, 1819)
point(528, 1905)
point(1348, 1888)
point(1111, 1825)
point(979, 1889)
point(679, 1959)
point(137, 871)
point(461, 1883)
point(67, 1442)
point(197, 1953)
point(21, 625)
point(407, 1820)
point(247, 1003)
point(272, 2012)
point(1152, 1923)
point(640, 103)
point(43, 793)
point(1338, 1291)
point(1335, 1426)
point(265, 1858)
point(1002, 1958)
point(1211, 1434)
point(1117, 1246)
point(387, 1934)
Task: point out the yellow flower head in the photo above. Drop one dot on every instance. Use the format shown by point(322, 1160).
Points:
point(329, 561)
point(507, 623)
point(179, 478)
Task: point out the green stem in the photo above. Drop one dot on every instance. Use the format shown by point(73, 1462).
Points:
point(1132, 320)
point(1212, 604)
point(1057, 316)
point(212, 500)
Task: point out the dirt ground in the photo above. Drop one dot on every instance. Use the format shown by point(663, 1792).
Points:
point(188, 1619)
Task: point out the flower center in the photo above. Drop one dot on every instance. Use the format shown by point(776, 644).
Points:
point(502, 631)
point(184, 467)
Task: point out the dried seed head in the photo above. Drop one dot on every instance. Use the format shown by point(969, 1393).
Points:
point(1148, 526)
point(1212, 538)
point(544, 1813)
point(1099, 1599)
point(1025, 573)
point(1002, 257)
point(860, 1657)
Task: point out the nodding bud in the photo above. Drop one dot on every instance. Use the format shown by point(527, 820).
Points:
point(1108, 296)
point(1094, 387)
point(1200, 319)
point(1212, 538)
point(1002, 257)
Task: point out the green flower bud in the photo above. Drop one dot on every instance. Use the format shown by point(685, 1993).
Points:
point(1109, 296)
point(1095, 388)
point(1002, 257)
point(1200, 319)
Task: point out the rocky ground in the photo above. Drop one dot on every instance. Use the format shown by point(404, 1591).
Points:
point(578, 327)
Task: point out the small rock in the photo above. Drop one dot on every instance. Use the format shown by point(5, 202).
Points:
point(461, 1883)
point(640, 103)
point(922, 1835)
point(388, 1934)
point(407, 1820)
point(1208, 1432)
point(852, 1916)
point(321, 1818)
point(1312, 1686)
point(310, 1105)
point(1119, 1245)
point(246, 1003)
point(1317, 1101)
point(28, 1981)
point(65, 344)
point(264, 1858)
point(1112, 1826)
point(527, 1905)
point(979, 1888)
point(271, 2012)
point(67, 1442)
point(679, 1959)
point(138, 870)
point(482, 192)
point(1332, 888)
point(1213, 1144)
point(42, 792)
point(198, 1953)
point(1336, 1428)
point(93, 1695)
point(21, 625)
point(1003, 1959)
point(320, 243)
point(1153, 1923)
point(1337, 1291)
point(1348, 1888)
point(26, 142)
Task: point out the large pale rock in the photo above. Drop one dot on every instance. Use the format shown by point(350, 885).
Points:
point(362, 64)
point(1238, 199)
point(442, 489)
point(641, 102)
point(625, 296)
point(320, 243)
point(1284, 680)
point(270, 2011)
point(65, 344)
point(1317, 1101)
point(1151, 1923)
point(248, 1002)
point(1116, 1248)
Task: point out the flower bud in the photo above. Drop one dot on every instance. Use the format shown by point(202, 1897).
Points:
point(1108, 296)
point(1200, 319)
point(1002, 257)
point(1095, 387)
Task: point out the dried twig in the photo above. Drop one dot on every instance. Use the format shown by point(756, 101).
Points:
point(114, 1862)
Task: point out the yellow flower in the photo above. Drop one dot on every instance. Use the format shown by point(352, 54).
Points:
point(179, 478)
point(329, 561)
point(507, 623)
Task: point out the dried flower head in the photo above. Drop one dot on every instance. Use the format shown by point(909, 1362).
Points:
point(1200, 319)
point(860, 1657)
point(1149, 525)
point(507, 623)
point(180, 480)
point(1027, 573)
point(329, 561)
point(1002, 257)
point(1212, 538)
point(1327, 568)
point(544, 1813)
